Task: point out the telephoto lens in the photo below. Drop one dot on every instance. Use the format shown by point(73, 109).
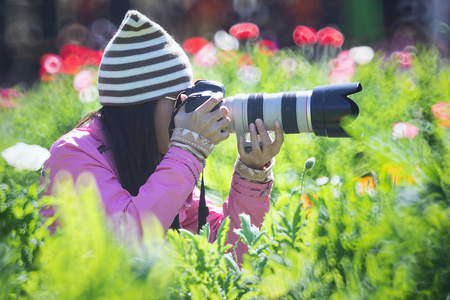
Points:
point(320, 111)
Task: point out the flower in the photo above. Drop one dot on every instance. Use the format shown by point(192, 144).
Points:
point(335, 180)
point(249, 74)
point(342, 68)
point(330, 36)
point(83, 79)
point(51, 63)
point(88, 94)
point(403, 130)
point(225, 42)
point(307, 203)
point(403, 58)
point(362, 55)
point(26, 157)
point(364, 185)
point(194, 44)
point(5, 97)
point(267, 47)
point(322, 180)
point(245, 31)
point(396, 174)
point(304, 35)
point(289, 65)
point(245, 60)
point(441, 111)
point(309, 163)
point(75, 57)
point(207, 56)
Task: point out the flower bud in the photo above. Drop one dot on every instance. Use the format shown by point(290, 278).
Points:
point(309, 164)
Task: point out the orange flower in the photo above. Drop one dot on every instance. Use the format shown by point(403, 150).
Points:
point(396, 174)
point(307, 202)
point(364, 185)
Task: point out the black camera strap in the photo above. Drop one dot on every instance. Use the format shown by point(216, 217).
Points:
point(203, 211)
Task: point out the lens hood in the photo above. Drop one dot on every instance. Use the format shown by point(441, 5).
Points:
point(330, 104)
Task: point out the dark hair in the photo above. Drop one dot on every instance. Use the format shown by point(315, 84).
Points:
point(129, 133)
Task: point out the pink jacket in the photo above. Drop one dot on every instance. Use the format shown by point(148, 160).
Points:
point(170, 190)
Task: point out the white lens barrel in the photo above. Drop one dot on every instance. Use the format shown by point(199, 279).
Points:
point(292, 109)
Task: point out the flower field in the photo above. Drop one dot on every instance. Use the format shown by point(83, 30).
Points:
point(366, 217)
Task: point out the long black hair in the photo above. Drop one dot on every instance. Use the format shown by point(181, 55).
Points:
point(129, 133)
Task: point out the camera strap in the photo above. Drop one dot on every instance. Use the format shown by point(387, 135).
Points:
point(203, 211)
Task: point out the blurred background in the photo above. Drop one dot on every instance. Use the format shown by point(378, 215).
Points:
point(32, 28)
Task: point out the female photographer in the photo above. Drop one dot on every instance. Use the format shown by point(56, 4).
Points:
point(140, 171)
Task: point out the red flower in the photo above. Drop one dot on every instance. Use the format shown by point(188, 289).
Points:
point(304, 35)
point(245, 31)
point(403, 58)
point(441, 111)
point(330, 36)
point(75, 57)
point(195, 44)
point(267, 47)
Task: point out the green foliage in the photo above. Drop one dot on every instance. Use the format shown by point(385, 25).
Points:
point(380, 231)
point(21, 236)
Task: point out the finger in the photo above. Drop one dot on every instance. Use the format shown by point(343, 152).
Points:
point(209, 104)
point(241, 149)
point(220, 113)
point(263, 134)
point(279, 136)
point(254, 138)
point(223, 123)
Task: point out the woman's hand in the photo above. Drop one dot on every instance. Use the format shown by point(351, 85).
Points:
point(259, 156)
point(209, 124)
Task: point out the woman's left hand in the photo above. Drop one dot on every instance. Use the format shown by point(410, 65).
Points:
point(260, 155)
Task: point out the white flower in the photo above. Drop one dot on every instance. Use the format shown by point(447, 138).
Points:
point(225, 42)
point(88, 94)
point(362, 55)
point(335, 180)
point(322, 180)
point(249, 74)
point(26, 157)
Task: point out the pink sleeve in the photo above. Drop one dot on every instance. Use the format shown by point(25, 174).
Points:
point(164, 194)
point(244, 197)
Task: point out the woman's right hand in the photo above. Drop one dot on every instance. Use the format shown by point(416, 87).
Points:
point(210, 124)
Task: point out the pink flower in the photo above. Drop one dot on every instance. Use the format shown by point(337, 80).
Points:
point(207, 56)
point(330, 36)
point(441, 111)
point(304, 35)
point(403, 58)
point(342, 68)
point(403, 130)
point(5, 97)
point(245, 31)
point(194, 44)
point(83, 79)
point(51, 63)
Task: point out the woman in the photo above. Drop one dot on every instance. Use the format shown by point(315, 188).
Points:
point(140, 172)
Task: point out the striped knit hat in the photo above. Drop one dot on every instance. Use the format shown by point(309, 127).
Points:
point(142, 63)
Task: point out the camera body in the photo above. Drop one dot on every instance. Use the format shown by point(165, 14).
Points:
point(319, 111)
